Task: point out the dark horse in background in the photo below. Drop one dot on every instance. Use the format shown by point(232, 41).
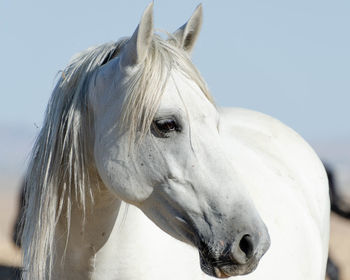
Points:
point(336, 207)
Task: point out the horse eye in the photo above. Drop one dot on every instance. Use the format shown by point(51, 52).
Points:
point(163, 127)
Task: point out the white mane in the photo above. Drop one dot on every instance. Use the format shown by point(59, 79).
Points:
point(61, 170)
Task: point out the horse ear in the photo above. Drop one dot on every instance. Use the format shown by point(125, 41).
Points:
point(137, 47)
point(188, 33)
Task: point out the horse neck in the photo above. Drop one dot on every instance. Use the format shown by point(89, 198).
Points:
point(77, 246)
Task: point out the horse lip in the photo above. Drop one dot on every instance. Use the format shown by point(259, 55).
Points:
point(227, 270)
point(235, 270)
point(220, 274)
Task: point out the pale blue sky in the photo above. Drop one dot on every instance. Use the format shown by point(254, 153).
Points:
point(289, 59)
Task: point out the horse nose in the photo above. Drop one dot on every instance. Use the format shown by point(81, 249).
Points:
point(243, 249)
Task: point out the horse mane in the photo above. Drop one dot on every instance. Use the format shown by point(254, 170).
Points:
point(59, 170)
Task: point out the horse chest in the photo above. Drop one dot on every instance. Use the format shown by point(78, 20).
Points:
point(138, 249)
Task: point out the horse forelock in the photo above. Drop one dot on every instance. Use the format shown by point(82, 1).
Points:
point(59, 169)
point(147, 84)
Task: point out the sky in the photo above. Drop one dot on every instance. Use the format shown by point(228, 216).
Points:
point(289, 59)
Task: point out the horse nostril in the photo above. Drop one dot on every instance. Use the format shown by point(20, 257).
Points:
point(243, 249)
point(247, 246)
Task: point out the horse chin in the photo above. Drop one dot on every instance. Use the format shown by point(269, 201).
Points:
point(228, 270)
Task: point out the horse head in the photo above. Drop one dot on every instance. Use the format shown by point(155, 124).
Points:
point(157, 145)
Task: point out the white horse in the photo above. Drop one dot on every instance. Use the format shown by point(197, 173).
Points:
point(132, 123)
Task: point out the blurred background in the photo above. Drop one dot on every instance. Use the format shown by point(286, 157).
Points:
point(288, 59)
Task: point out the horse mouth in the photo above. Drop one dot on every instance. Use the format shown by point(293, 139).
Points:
point(220, 269)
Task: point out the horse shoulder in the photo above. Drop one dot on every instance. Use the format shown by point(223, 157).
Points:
point(287, 182)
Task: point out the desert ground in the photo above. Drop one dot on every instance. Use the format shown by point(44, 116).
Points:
point(11, 256)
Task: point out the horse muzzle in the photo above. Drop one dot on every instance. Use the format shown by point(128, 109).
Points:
point(240, 257)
